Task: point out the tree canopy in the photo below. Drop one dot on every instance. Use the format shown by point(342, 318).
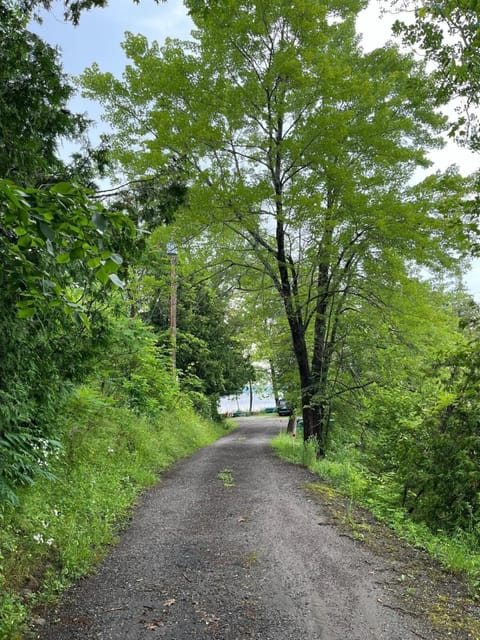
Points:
point(34, 95)
point(299, 150)
point(447, 32)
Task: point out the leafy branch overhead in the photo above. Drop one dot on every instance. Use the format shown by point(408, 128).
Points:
point(52, 240)
point(72, 8)
point(448, 34)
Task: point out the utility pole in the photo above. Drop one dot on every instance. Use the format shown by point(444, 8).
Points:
point(172, 252)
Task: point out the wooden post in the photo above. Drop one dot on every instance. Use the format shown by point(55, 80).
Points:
point(171, 251)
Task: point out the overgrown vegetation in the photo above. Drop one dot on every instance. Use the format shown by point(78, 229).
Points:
point(90, 409)
point(59, 530)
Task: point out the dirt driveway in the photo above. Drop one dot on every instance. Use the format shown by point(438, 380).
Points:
point(229, 546)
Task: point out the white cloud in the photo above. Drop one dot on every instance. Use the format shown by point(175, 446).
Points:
point(170, 20)
point(374, 26)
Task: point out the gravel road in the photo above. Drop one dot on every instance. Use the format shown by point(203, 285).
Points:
point(228, 546)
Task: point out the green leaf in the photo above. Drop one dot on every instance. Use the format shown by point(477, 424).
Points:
point(110, 267)
point(25, 242)
point(64, 188)
point(102, 275)
point(46, 231)
point(93, 263)
point(26, 312)
point(77, 253)
point(63, 258)
point(81, 318)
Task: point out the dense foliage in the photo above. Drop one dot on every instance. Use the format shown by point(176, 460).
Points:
point(64, 257)
point(34, 96)
point(447, 32)
point(208, 353)
point(55, 259)
point(306, 183)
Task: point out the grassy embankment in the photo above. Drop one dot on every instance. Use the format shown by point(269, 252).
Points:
point(61, 529)
point(343, 470)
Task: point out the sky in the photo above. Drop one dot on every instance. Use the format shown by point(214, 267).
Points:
point(100, 33)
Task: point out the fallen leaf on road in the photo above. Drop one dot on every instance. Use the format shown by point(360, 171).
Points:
point(154, 624)
point(208, 618)
point(169, 602)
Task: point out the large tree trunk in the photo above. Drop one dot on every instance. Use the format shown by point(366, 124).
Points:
point(312, 412)
point(323, 340)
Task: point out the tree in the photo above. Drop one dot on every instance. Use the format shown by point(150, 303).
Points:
point(209, 355)
point(56, 254)
point(422, 425)
point(299, 149)
point(72, 8)
point(34, 97)
point(447, 32)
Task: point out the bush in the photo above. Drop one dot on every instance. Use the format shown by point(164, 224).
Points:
point(40, 360)
point(134, 370)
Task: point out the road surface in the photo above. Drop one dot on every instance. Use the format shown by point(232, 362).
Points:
point(229, 546)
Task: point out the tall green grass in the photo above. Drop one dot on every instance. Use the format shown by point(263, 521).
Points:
point(343, 470)
point(62, 528)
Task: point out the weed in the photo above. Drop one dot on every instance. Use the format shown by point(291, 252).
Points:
point(250, 560)
point(226, 476)
point(441, 617)
point(13, 615)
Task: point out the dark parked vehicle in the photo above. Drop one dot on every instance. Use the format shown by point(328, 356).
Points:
point(283, 408)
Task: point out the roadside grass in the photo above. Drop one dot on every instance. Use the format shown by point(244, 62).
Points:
point(459, 553)
point(61, 529)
